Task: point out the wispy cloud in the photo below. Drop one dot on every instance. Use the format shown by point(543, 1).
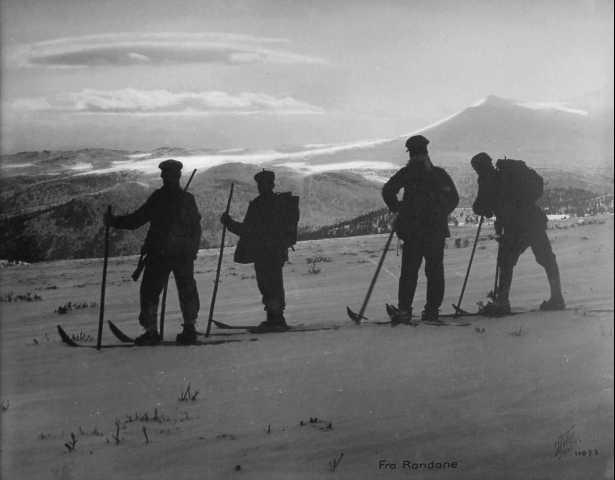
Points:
point(123, 49)
point(360, 165)
point(302, 161)
point(131, 101)
point(561, 106)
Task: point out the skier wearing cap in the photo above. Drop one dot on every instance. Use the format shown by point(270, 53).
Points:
point(422, 224)
point(262, 243)
point(171, 245)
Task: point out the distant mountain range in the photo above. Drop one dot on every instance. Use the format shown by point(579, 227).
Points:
point(545, 135)
point(51, 203)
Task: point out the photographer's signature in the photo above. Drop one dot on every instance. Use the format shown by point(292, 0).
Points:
point(565, 443)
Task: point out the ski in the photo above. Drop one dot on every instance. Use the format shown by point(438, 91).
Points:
point(119, 334)
point(392, 310)
point(166, 343)
point(520, 312)
point(226, 326)
point(129, 342)
point(446, 323)
point(66, 338)
point(123, 337)
point(254, 329)
point(463, 313)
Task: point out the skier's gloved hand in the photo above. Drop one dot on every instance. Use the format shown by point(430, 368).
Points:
point(225, 219)
point(394, 206)
point(109, 219)
point(498, 230)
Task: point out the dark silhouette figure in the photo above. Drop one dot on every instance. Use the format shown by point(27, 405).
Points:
point(263, 242)
point(520, 223)
point(422, 224)
point(171, 245)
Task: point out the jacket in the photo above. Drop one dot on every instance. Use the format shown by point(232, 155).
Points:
point(175, 223)
point(429, 197)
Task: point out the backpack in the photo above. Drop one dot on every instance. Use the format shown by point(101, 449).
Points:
point(518, 183)
point(288, 205)
point(286, 218)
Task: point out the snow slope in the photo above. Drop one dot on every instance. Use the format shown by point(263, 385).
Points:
point(495, 397)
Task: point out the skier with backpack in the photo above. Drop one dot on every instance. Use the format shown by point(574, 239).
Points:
point(268, 230)
point(509, 192)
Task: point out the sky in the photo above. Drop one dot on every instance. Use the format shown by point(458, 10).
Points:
point(257, 74)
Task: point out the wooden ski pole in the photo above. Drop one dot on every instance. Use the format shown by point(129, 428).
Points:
point(496, 284)
point(357, 318)
point(163, 306)
point(101, 310)
point(458, 309)
point(213, 296)
point(163, 302)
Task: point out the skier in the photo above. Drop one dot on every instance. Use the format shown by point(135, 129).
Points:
point(171, 245)
point(422, 224)
point(509, 192)
point(262, 242)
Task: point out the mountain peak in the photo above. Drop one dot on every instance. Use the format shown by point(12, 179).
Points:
point(495, 101)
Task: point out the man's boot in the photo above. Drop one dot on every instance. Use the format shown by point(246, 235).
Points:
point(399, 316)
point(149, 338)
point(500, 306)
point(431, 315)
point(275, 323)
point(278, 322)
point(556, 302)
point(497, 308)
point(187, 335)
point(268, 322)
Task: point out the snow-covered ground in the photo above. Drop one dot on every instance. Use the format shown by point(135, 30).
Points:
point(524, 397)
